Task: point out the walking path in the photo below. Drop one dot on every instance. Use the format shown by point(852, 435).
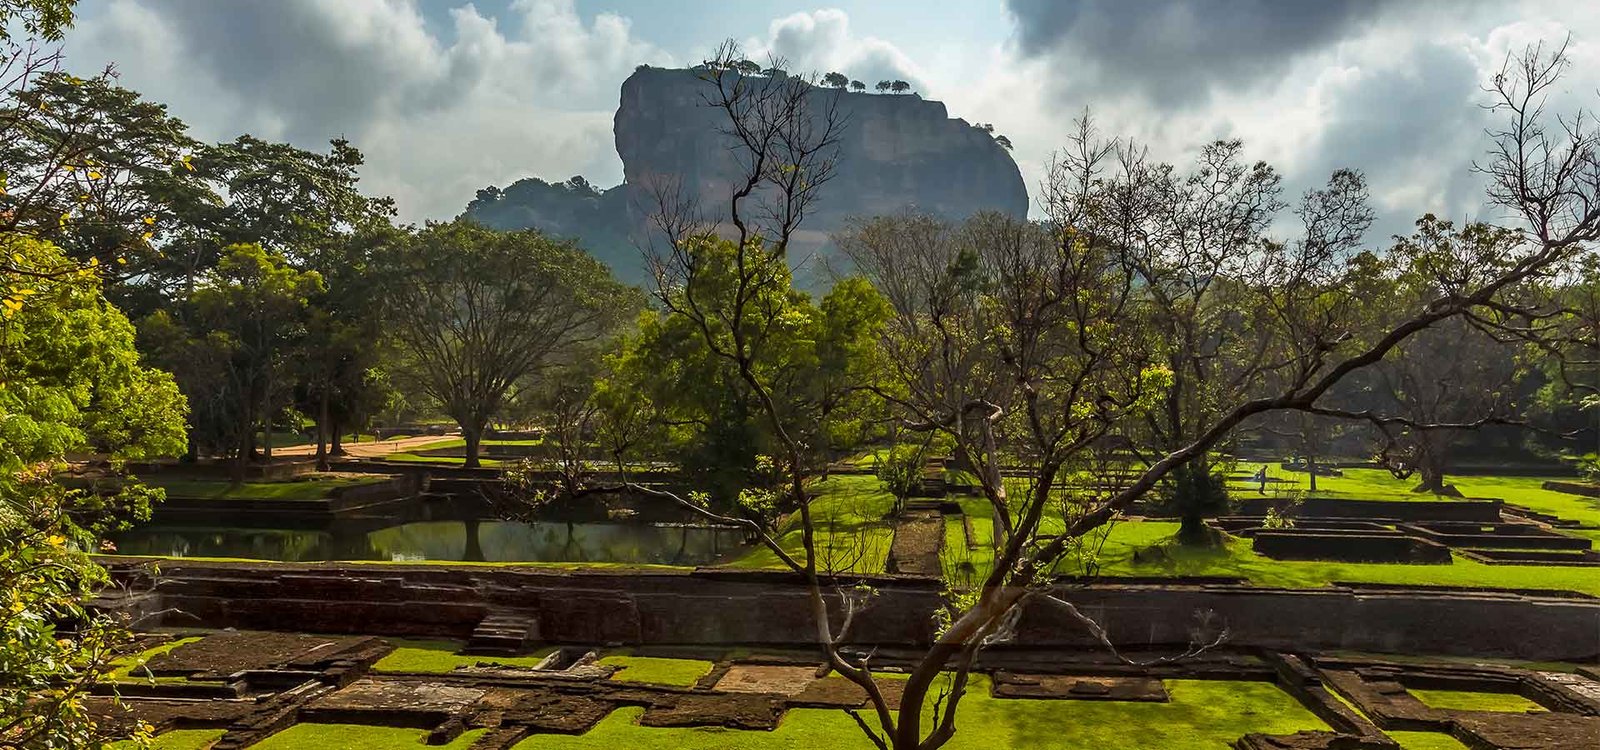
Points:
point(370, 450)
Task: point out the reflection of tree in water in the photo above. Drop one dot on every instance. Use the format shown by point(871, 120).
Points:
point(423, 540)
point(605, 542)
point(291, 545)
point(476, 541)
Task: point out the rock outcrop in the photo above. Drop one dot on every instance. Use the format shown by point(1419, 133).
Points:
point(897, 152)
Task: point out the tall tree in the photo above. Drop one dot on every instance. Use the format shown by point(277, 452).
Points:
point(474, 312)
point(835, 80)
point(260, 306)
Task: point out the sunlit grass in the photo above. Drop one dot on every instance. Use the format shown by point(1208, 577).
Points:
point(656, 671)
point(306, 488)
point(1202, 715)
point(1464, 700)
point(1426, 741)
point(852, 532)
point(441, 656)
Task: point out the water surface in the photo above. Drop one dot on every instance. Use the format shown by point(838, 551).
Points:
point(485, 541)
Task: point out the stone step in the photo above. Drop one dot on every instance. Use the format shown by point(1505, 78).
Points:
point(503, 634)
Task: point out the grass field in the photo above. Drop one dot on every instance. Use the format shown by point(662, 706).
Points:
point(852, 533)
point(309, 488)
point(1115, 558)
point(441, 656)
point(1202, 715)
point(1377, 484)
point(1462, 700)
point(1426, 741)
point(654, 671)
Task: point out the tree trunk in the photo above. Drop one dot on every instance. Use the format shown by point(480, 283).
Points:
point(472, 435)
point(242, 448)
point(1311, 467)
point(266, 435)
point(474, 548)
point(1432, 476)
point(1431, 465)
point(336, 438)
point(1192, 530)
point(322, 431)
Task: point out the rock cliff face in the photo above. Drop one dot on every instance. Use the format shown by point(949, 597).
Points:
point(897, 152)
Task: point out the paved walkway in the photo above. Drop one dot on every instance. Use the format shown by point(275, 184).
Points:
point(370, 450)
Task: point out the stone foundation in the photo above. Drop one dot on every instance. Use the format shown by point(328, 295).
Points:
point(720, 607)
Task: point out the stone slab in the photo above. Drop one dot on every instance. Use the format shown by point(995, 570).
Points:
point(1541, 731)
point(764, 678)
point(1078, 687)
point(736, 711)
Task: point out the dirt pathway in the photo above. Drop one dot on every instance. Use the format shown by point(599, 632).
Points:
point(370, 450)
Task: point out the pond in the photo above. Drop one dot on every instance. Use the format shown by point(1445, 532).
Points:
point(485, 541)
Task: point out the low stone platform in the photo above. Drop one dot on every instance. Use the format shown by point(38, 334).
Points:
point(753, 693)
point(715, 607)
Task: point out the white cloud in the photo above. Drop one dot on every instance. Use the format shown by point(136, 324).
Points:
point(446, 104)
point(438, 114)
point(1396, 94)
point(822, 41)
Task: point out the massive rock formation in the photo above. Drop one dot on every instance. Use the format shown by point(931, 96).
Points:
point(898, 152)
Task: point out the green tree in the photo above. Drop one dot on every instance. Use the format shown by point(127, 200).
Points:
point(835, 80)
point(858, 86)
point(72, 382)
point(899, 87)
point(815, 361)
point(884, 86)
point(475, 312)
point(94, 168)
point(259, 308)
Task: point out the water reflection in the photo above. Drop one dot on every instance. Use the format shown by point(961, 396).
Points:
point(475, 541)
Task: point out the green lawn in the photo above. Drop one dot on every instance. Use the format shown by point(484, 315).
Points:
point(655, 671)
point(1463, 700)
point(178, 739)
point(1426, 741)
point(852, 533)
point(356, 737)
point(1235, 559)
point(440, 656)
point(308, 488)
point(1202, 715)
point(1377, 484)
point(447, 460)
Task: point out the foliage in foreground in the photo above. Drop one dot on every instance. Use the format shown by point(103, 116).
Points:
point(70, 380)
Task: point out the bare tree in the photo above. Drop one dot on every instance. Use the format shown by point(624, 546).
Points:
point(1307, 294)
point(1031, 346)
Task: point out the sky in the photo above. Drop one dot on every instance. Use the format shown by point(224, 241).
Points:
point(446, 97)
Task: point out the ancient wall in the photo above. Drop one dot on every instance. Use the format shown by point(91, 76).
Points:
point(725, 607)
